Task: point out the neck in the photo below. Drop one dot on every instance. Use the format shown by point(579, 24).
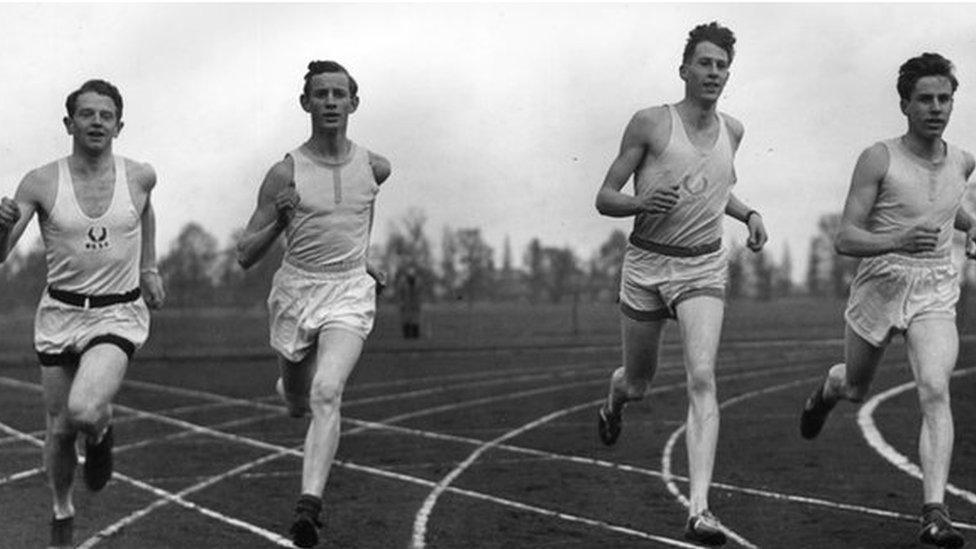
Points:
point(333, 145)
point(932, 148)
point(698, 113)
point(90, 162)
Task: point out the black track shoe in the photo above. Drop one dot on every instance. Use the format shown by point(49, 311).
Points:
point(608, 425)
point(937, 528)
point(815, 413)
point(98, 461)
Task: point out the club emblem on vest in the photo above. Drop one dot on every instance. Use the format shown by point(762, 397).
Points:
point(97, 238)
point(695, 182)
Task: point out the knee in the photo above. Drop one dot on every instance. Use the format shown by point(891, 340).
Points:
point(325, 393)
point(933, 392)
point(701, 382)
point(84, 416)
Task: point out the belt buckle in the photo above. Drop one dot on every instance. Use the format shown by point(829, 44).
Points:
point(87, 303)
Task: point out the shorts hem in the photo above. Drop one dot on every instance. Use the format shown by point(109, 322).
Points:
point(644, 316)
point(698, 292)
point(865, 334)
point(70, 359)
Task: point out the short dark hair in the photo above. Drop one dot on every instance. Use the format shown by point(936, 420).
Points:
point(711, 32)
point(319, 67)
point(916, 68)
point(101, 87)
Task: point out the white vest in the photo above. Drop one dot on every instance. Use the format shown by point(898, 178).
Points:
point(333, 220)
point(94, 256)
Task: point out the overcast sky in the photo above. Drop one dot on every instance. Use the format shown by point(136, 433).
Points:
point(500, 116)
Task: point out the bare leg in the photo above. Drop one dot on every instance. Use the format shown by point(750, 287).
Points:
point(933, 347)
point(700, 319)
point(295, 383)
point(60, 455)
point(99, 377)
point(338, 352)
point(852, 379)
point(641, 344)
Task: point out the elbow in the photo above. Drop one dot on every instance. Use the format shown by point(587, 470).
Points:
point(842, 244)
point(243, 258)
point(601, 204)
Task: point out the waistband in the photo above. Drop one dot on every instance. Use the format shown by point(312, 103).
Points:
point(93, 301)
point(675, 251)
point(914, 260)
point(337, 267)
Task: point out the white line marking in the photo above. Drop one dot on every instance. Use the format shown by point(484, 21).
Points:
point(865, 419)
point(169, 497)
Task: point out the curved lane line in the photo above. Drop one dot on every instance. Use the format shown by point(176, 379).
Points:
point(865, 419)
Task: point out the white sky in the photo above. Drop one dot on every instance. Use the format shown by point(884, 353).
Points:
point(502, 116)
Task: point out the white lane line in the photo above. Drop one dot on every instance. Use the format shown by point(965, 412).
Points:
point(169, 497)
point(166, 498)
point(874, 438)
point(668, 477)
point(421, 519)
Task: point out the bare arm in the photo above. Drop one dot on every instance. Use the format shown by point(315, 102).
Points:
point(754, 222)
point(380, 166)
point(635, 145)
point(855, 238)
point(276, 202)
point(150, 281)
point(16, 213)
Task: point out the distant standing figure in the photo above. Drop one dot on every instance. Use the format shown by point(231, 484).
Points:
point(409, 291)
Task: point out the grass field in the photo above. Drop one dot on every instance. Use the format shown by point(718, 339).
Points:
point(483, 434)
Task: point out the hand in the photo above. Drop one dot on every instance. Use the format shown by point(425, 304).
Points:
point(920, 238)
point(757, 233)
point(285, 204)
point(379, 276)
point(971, 243)
point(660, 200)
point(152, 288)
point(9, 213)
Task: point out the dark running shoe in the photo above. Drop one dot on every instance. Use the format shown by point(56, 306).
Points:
point(98, 461)
point(608, 425)
point(705, 529)
point(815, 413)
point(937, 528)
point(62, 530)
point(305, 529)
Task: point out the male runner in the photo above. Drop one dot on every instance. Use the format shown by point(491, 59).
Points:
point(99, 229)
point(903, 204)
point(681, 157)
point(322, 300)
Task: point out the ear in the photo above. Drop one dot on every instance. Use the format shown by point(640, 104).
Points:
point(683, 72)
point(354, 101)
point(118, 128)
point(303, 101)
point(903, 104)
point(68, 125)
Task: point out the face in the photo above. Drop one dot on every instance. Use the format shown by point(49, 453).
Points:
point(929, 107)
point(706, 72)
point(95, 122)
point(329, 100)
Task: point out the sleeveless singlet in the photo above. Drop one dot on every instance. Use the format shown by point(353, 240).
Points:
point(95, 256)
point(333, 220)
point(705, 180)
point(916, 190)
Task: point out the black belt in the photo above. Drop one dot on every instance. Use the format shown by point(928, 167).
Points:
point(675, 251)
point(93, 301)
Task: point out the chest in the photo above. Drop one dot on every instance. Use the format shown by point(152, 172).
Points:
point(94, 195)
point(348, 188)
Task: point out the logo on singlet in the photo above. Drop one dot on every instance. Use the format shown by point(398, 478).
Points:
point(695, 181)
point(97, 238)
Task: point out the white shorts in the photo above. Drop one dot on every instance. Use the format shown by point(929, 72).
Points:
point(62, 332)
point(303, 304)
point(891, 291)
point(652, 284)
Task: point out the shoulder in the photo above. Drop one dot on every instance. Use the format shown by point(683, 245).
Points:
point(141, 173)
point(380, 165)
point(649, 125)
point(874, 160)
point(968, 162)
point(39, 182)
point(735, 127)
point(280, 175)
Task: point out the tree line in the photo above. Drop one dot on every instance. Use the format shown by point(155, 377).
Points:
point(199, 272)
